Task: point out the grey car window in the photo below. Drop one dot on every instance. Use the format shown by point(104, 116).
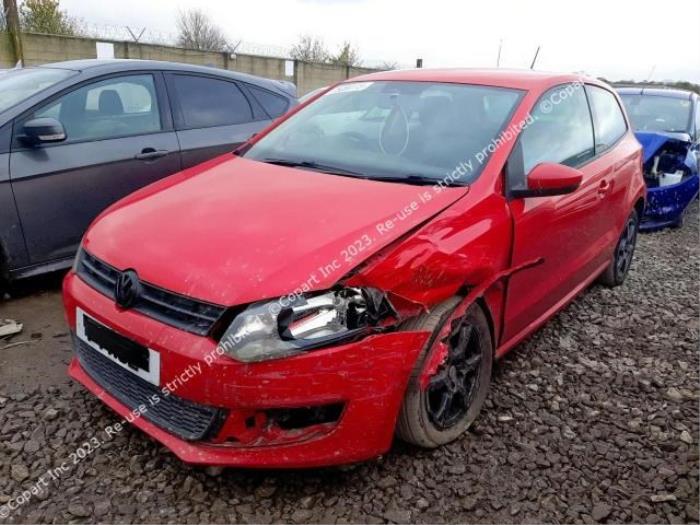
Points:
point(19, 84)
point(274, 104)
point(116, 107)
point(207, 102)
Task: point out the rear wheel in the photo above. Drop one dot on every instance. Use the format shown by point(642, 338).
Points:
point(440, 407)
point(616, 272)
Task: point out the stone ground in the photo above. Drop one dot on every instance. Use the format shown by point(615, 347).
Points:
point(594, 419)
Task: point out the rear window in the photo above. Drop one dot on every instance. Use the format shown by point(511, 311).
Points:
point(274, 105)
point(658, 113)
point(207, 102)
point(608, 121)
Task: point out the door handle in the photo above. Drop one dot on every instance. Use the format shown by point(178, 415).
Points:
point(603, 188)
point(151, 154)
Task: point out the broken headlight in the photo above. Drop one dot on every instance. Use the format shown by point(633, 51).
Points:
point(285, 327)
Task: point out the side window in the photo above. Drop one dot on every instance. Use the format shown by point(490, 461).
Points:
point(116, 107)
point(608, 121)
point(560, 131)
point(274, 105)
point(206, 102)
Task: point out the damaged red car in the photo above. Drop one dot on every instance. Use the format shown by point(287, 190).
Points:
point(353, 272)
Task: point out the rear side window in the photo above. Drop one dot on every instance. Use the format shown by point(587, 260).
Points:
point(208, 102)
point(608, 121)
point(561, 130)
point(274, 105)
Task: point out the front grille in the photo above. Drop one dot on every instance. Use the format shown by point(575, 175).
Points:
point(191, 315)
point(187, 420)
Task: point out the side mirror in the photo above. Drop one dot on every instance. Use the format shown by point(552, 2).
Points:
point(43, 130)
point(549, 179)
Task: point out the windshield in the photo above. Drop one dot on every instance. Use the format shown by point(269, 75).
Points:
point(17, 85)
point(393, 130)
point(658, 113)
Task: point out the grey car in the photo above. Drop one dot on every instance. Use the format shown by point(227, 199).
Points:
point(77, 136)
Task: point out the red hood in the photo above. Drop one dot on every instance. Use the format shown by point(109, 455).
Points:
point(237, 231)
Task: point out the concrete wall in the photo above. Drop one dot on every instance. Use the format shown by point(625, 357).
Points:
point(40, 49)
point(7, 58)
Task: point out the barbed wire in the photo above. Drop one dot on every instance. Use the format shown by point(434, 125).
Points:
point(146, 35)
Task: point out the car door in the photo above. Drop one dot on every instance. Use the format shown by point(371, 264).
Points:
point(556, 237)
point(610, 126)
point(119, 137)
point(212, 115)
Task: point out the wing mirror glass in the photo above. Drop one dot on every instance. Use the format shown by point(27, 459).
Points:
point(549, 179)
point(43, 130)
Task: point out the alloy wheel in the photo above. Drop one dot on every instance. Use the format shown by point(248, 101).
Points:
point(625, 248)
point(452, 388)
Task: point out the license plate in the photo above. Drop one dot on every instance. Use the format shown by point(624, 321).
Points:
point(137, 359)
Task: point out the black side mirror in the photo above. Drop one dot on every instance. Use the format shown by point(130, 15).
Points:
point(43, 130)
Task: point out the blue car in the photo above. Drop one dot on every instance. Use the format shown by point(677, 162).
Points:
point(667, 124)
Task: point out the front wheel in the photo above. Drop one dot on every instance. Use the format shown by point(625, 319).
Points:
point(616, 272)
point(441, 404)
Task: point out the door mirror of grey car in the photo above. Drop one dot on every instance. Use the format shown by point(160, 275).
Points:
point(43, 130)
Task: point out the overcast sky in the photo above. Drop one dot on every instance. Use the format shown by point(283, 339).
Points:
point(615, 39)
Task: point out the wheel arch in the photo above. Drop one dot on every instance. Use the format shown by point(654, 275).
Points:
point(491, 302)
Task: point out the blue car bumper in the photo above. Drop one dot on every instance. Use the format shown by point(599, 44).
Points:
point(666, 204)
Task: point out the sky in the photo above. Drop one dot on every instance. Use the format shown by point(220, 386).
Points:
point(618, 40)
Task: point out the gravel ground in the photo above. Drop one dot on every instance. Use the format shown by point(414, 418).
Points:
point(594, 419)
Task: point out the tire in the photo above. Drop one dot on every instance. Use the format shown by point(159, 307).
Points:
point(617, 270)
point(418, 421)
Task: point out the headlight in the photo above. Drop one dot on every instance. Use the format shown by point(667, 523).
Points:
point(282, 328)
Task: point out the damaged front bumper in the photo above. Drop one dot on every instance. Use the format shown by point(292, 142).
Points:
point(667, 205)
point(330, 406)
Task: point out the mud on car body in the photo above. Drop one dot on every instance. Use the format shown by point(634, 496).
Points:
point(354, 271)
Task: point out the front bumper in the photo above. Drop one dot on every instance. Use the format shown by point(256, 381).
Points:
point(368, 378)
point(666, 205)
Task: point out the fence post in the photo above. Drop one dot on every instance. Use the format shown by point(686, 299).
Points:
point(12, 18)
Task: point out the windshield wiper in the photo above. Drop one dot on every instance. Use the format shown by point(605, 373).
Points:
point(312, 165)
point(418, 180)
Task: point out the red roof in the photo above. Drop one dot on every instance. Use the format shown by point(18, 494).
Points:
point(512, 78)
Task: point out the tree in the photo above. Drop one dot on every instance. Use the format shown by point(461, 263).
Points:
point(388, 65)
point(310, 49)
point(197, 31)
point(46, 16)
point(347, 56)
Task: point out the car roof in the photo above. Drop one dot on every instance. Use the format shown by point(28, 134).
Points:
point(104, 66)
point(656, 91)
point(508, 78)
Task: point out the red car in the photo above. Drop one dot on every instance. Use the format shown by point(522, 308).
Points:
point(354, 271)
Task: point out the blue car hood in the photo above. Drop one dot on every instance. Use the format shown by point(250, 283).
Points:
point(652, 141)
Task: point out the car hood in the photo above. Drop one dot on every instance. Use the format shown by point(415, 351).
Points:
point(235, 231)
point(653, 141)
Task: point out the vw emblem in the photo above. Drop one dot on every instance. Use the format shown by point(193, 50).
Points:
point(127, 289)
